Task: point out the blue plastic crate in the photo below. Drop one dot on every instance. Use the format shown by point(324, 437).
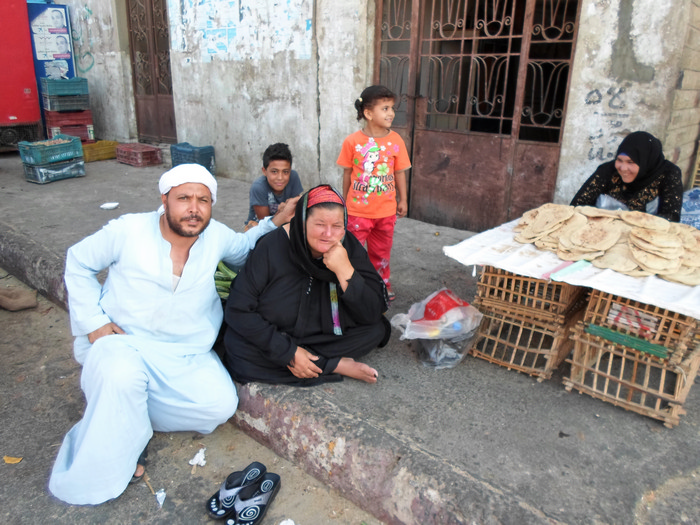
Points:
point(186, 153)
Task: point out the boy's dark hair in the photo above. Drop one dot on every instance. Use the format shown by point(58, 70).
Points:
point(277, 151)
point(369, 98)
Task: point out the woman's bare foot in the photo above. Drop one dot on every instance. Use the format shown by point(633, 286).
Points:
point(351, 368)
point(140, 469)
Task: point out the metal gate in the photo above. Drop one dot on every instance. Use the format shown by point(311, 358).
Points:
point(149, 37)
point(482, 89)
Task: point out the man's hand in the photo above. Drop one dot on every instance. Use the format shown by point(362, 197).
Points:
point(302, 365)
point(249, 225)
point(108, 329)
point(285, 211)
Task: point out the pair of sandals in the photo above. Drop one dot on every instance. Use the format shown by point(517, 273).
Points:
point(244, 496)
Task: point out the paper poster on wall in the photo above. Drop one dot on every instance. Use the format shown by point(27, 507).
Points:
point(251, 29)
point(51, 41)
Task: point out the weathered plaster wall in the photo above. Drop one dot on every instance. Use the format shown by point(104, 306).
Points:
point(624, 77)
point(101, 53)
point(684, 128)
point(268, 72)
point(345, 58)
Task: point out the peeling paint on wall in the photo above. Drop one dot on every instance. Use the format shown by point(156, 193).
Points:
point(248, 29)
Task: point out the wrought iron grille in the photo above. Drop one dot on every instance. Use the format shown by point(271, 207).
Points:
point(469, 59)
point(489, 66)
point(547, 79)
point(395, 54)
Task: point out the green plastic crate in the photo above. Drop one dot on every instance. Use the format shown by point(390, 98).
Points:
point(48, 151)
point(56, 171)
point(64, 86)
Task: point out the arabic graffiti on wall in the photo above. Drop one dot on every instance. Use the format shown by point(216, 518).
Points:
point(612, 109)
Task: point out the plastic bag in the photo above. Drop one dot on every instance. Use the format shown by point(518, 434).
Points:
point(445, 353)
point(444, 324)
point(441, 315)
point(606, 202)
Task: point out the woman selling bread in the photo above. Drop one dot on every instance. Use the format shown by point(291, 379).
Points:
point(308, 302)
point(639, 174)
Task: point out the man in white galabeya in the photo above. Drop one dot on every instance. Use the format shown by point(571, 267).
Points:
point(145, 337)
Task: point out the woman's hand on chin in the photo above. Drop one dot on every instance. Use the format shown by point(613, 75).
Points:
point(302, 365)
point(336, 260)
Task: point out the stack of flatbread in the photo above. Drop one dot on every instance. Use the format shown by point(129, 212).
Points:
point(629, 242)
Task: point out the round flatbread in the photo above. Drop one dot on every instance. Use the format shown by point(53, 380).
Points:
point(657, 238)
point(681, 277)
point(592, 211)
point(667, 253)
point(645, 220)
point(618, 258)
point(577, 255)
point(690, 237)
point(654, 263)
point(527, 219)
point(639, 272)
point(548, 218)
point(595, 236)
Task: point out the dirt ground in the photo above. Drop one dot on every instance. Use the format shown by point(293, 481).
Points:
point(41, 399)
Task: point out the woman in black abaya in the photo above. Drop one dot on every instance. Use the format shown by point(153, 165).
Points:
point(639, 174)
point(308, 302)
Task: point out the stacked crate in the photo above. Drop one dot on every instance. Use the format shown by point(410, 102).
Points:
point(185, 153)
point(49, 160)
point(67, 108)
point(526, 321)
point(139, 155)
point(637, 356)
point(100, 150)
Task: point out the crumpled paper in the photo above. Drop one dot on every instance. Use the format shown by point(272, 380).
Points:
point(199, 459)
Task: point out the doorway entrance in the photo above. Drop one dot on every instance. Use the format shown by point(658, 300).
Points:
point(482, 88)
point(149, 38)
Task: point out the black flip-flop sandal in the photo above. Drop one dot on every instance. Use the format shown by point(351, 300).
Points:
point(252, 503)
point(221, 504)
point(141, 461)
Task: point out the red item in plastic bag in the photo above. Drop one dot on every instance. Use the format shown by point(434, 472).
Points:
point(444, 301)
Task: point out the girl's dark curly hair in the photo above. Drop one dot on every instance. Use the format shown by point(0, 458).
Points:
point(369, 98)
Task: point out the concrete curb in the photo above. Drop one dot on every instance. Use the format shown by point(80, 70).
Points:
point(33, 264)
point(382, 473)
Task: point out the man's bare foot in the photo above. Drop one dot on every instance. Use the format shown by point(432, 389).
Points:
point(140, 469)
point(351, 368)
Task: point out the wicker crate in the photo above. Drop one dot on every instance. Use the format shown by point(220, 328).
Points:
point(635, 380)
point(139, 155)
point(66, 103)
point(527, 297)
point(44, 152)
point(56, 171)
point(100, 150)
point(654, 324)
point(185, 153)
point(531, 346)
point(64, 86)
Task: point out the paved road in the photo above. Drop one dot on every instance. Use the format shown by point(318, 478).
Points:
point(472, 444)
